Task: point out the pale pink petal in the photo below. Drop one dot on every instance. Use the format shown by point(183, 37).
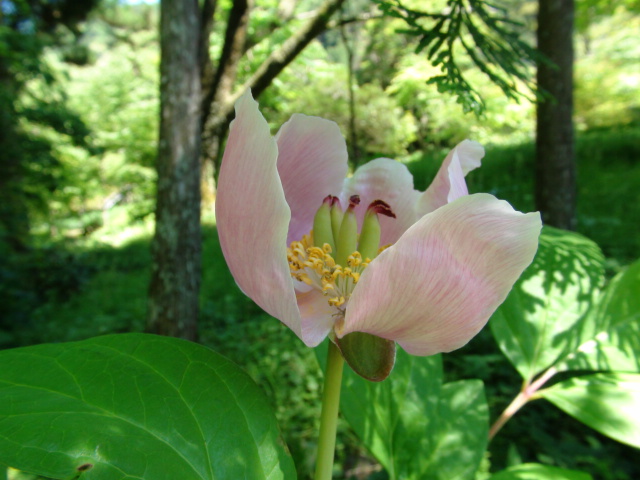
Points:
point(317, 316)
point(390, 181)
point(449, 182)
point(312, 163)
point(438, 285)
point(252, 215)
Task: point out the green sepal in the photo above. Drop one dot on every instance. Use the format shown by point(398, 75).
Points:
point(369, 356)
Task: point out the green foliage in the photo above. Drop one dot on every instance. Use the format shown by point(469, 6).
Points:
point(555, 319)
point(533, 471)
point(616, 340)
point(30, 171)
point(607, 402)
point(544, 318)
point(135, 406)
point(607, 73)
point(34, 280)
point(489, 38)
point(317, 87)
point(413, 424)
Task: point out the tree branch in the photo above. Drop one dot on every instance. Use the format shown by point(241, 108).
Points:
point(207, 14)
point(289, 50)
point(265, 74)
point(222, 82)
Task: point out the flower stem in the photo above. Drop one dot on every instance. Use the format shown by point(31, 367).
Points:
point(527, 393)
point(329, 416)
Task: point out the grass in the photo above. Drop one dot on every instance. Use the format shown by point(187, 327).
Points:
point(106, 290)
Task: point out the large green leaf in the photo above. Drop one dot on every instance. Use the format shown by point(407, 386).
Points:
point(616, 344)
point(607, 402)
point(536, 471)
point(135, 406)
point(415, 426)
point(544, 318)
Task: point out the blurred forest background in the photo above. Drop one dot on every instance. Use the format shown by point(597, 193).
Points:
point(79, 126)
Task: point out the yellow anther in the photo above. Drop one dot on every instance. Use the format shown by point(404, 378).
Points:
point(383, 248)
point(316, 266)
point(354, 260)
point(328, 286)
point(336, 301)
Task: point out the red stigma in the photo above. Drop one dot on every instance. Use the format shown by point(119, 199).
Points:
point(381, 208)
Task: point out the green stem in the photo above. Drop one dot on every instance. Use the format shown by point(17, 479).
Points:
point(527, 393)
point(329, 416)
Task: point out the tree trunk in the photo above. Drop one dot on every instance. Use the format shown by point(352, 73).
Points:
point(555, 162)
point(175, 280)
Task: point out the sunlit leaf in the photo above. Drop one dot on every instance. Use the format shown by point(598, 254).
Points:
point(544, 318)
point(536, 471)
point(135, 406)
point(414, 425)
point(616, 343)
point(607, 402)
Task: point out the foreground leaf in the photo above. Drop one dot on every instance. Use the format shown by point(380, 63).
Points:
point(135, 406)
point(607, 402)
point(536, 471)
point(544, 318)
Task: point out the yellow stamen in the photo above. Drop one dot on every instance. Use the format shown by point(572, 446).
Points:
point(317, 267)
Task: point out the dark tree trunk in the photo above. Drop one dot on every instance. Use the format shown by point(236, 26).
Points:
point(555, 160)
point(175, 281)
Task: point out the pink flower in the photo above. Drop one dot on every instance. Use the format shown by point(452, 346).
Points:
point(451, 261)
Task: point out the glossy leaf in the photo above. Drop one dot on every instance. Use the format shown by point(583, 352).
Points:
point(616, 343)
point(135, 406)
point(544, 318)
point(414, 425)
point(536, 471)
point(607, 402)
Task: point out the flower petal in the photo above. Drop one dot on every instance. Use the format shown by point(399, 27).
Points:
point(317, 316)
point(312, 163)
point(449, 182)
point(252, 215)
point(388, 180)
point(438, 285)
